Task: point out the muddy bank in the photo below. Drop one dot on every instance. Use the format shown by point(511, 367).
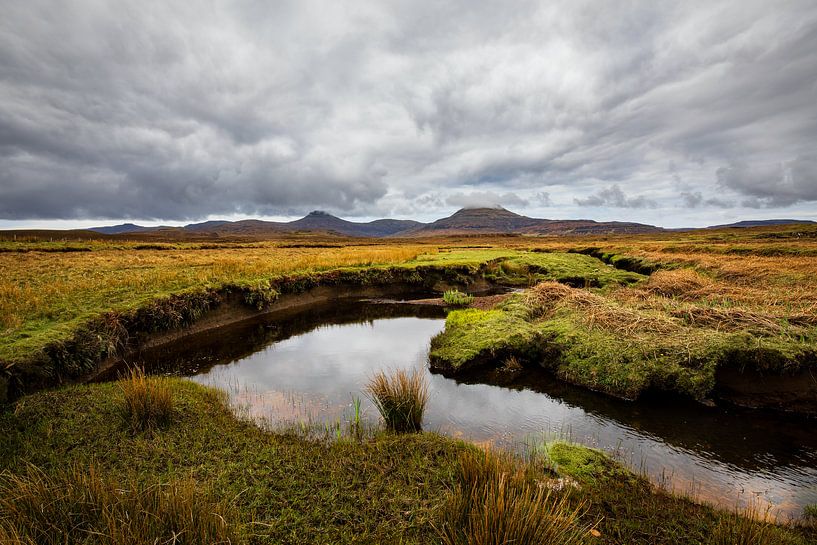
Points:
point(794, 391)
point(286, 310)
point(483, 302)
point(781, 391)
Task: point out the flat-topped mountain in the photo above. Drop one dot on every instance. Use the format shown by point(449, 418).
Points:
point(501, 221)
point(494, 220)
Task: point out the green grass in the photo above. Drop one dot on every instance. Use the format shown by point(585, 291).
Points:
point(284, 488)
point(473, 337)
point(456, 298)
point(381, 490)
point(624, 346)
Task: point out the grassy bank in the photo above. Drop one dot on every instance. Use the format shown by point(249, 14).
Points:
point(664, 334)
point(282, 488)
point(64, 312)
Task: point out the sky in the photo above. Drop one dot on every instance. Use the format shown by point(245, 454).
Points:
point(670, 113)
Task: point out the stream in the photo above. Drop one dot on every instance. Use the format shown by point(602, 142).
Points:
point(308, 365)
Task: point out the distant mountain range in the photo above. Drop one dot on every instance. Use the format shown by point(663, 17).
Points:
point(758, 223)
point(465, 221)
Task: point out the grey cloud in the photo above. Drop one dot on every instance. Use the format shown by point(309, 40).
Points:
point(179, 111)
point(694, 199)
point(770, 185)
point(543, 199)
point(479, 199)
point(614, 197)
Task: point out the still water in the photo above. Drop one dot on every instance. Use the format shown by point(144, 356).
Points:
point(307, 367)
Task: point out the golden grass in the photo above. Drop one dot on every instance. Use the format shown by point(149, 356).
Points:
point(595, 311)
point(497, 501)
point(147, 401)
point(47, 295)
point(400, 397)
point(82, 506)
point(42, 291)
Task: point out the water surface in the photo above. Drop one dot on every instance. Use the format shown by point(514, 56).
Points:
point(308, 366)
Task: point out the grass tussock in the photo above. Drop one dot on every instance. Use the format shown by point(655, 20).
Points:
point(147, 401)
point(455, 298)
point(83, 506)
point(682, 283)
point(400, 397)
point(497, 500)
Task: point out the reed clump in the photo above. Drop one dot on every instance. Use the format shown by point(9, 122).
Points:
point(83, 506)
point(147, 402)
point(400, 397)
point(498, 500)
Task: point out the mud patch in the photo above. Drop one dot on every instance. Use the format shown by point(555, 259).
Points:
point(745, 387)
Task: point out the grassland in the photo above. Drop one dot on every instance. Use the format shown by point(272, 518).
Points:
point(722, 295)
point(283, 488)
point(64, 311)
point(707, 292)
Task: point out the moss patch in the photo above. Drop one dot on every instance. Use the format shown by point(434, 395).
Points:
point(622, 342)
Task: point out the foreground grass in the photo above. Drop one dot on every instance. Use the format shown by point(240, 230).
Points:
point(282, 488)
point(287, 489)
point(81, 506)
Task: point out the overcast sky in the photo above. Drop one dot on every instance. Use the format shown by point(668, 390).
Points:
point(671, 113)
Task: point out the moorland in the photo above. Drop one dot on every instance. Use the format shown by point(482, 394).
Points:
point(726, 316)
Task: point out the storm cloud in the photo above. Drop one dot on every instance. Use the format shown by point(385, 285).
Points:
point(183, 111)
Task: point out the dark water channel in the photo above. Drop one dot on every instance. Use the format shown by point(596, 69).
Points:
point(306, 367)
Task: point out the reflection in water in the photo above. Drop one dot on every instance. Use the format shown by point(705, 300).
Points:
point(301, 369)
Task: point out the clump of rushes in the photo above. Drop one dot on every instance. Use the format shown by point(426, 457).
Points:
point(499, 500)
point(456, 298)
point(400, 398)
point(82, 506)
point(148, 401)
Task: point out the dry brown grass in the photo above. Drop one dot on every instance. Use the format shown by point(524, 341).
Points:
point(681, 283)
point(147, 401)
point(595, 311)
point(82, 506)
point(498, 500)
point(400, 397)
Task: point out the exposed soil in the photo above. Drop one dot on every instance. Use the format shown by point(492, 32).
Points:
point(795, 392)
point(482, 302)
point(233, 310)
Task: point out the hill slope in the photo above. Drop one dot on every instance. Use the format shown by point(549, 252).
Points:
point(499, 220)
